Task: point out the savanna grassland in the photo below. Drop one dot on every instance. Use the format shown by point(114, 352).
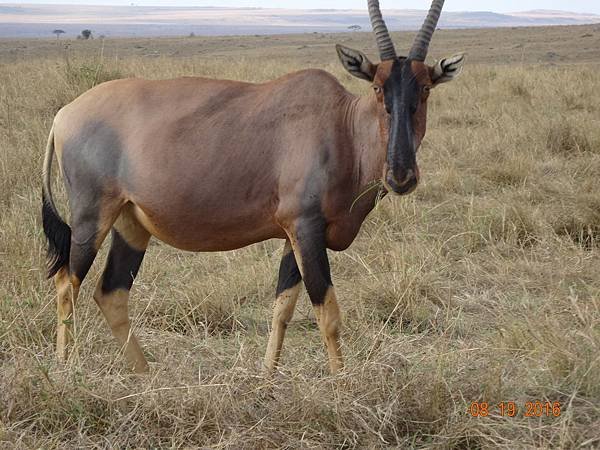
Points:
point(484, 285)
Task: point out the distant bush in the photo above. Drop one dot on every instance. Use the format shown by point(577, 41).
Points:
point(85, 35)
point(58, 33)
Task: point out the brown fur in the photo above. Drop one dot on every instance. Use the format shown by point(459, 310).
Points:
point(224, 164)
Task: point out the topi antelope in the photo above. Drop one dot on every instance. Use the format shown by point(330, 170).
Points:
point(212, 165)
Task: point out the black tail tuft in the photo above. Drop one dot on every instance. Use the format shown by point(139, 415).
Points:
point(58, 235)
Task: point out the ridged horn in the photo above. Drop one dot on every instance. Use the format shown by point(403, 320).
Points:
point(420, 47)
point(382, 35)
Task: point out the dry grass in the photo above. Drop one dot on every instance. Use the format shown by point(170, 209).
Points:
point(482, 286)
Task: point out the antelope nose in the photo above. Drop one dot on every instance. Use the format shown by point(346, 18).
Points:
point(406, 186)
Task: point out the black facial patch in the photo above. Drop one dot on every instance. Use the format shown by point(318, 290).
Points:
point(401, 96)
point(289, 274)
point(401, 89)
point(122, 265)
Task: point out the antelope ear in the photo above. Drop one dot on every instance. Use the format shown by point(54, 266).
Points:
point(356, 63)
point(448, 69)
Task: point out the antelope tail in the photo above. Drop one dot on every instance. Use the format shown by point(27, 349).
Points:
point(58, 233)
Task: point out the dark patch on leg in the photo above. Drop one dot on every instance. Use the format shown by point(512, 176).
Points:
point(289, 274)
point(310, 237)
point(82, 258)
point(122, 265)
point(84, 220)
point(310, 229)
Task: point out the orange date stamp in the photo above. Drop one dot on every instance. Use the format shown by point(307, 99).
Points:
point(513, 409)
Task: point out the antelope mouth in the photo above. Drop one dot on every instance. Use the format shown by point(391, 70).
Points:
point(409, 184)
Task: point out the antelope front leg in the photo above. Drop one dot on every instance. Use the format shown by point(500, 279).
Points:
point(309, 245)
point(288, 288)
point(329, 320)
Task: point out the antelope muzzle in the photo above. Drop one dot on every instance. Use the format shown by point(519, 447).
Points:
point(403, 182)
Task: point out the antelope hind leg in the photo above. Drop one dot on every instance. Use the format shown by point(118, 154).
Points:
point(129, 242)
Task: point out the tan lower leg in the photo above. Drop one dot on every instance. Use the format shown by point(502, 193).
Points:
point(114, 307)
point(282, 314)
point(67, 288)
point(329, 320)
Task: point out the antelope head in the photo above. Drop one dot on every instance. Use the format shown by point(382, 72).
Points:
point(402, 86)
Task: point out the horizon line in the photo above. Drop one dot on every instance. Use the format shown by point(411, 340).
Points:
point(133, 5)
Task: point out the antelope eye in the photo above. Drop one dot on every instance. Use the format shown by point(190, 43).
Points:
point(377, 89)
point(426, 89)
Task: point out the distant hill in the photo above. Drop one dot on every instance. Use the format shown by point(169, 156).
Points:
point(28, 20)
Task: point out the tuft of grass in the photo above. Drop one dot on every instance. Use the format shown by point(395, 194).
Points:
point(566, 139)
point(86, 76)
point(582, 223)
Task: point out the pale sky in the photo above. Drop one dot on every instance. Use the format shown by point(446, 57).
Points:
point(584, 6)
